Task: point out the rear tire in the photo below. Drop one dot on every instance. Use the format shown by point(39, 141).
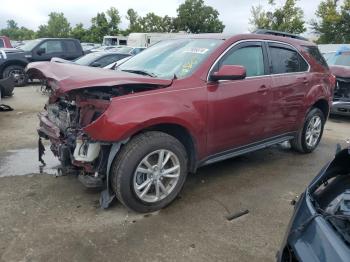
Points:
point(17, 72)
point(310, 135)
point(142, 164)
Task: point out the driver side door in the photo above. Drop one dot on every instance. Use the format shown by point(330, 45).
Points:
point(237, 109)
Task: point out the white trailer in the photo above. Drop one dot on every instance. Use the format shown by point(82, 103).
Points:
point(148, 39)
point(109, 40)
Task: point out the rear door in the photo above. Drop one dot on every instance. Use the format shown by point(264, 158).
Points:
point(72, 50)
point(237, 109)
point(290, 82)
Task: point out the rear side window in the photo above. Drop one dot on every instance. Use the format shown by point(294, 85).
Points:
point(71, 47)
point(1, 43)
point(316, 54)
point(251, 57)
point(285, 60)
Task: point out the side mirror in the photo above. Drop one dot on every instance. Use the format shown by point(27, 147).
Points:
point(41, 51)
point(96, 64)
point(229, 72)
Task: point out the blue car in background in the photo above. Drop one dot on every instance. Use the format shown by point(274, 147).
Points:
point(320, 227)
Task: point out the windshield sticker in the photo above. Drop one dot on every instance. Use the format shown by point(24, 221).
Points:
point(198, 50)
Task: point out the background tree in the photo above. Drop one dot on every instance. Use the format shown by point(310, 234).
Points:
point(57, 26)
point(79, 32)
point(113, 21)
point(287, 18)
point(331, 24)
point(17, 33)
point(194, 16)
point(99, 28)
point(134, 21)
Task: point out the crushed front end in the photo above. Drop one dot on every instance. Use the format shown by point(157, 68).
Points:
point(63, 121)
point(341, 100)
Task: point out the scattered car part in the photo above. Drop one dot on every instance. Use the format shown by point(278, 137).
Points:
point(236, 215)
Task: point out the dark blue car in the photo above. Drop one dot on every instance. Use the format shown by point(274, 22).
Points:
point(320, 227)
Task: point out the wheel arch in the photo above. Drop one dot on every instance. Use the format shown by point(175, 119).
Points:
point(11, 63)
point(323, 105)
point(182, 134)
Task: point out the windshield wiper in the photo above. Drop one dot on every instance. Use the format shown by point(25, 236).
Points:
point(140, 72)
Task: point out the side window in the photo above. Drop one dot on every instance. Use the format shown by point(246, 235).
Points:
point(104, 61)
point(71, 47)
point(285, 60)
point(2, 43)
point(52, 46)
point(251, 57)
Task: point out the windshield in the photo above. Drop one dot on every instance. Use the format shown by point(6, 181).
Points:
point(171, 58)
point(28, 46)
point(88, 59)
point(342, 59)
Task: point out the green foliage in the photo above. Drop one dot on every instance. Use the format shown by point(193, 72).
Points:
point(79, 32)
point(17, 33)
point(57, 26)
point(287, 18)
point(99, 28)
point(194, 16)
point(333, 23)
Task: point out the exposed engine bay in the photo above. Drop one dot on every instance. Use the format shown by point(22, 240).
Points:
point(332, 198)
point(63, 123)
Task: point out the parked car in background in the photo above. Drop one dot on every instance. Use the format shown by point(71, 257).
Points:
point(114, 65)
point(179, 105)
point(319, 228)
point(102, 48)
point(339, 62)
point(128, 50)
point(13, 61)
point(5, 42)
point(100, 59)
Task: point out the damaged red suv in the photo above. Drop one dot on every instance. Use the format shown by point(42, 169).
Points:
point(179, 105)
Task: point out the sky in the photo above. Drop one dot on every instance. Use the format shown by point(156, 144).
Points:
point(32, 13)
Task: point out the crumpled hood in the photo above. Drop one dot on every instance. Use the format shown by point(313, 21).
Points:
point(69, 77)
point(340, 71)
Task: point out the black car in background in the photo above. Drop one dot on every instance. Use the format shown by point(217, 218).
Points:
point(320, 227)
point(13, 61)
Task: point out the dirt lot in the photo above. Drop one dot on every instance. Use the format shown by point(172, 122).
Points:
point(44, 218)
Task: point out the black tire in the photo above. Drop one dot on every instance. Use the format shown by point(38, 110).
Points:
point(299, 143)
point(10, 71)
point(129, 157)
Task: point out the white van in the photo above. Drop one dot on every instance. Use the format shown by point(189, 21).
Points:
point(148, 39)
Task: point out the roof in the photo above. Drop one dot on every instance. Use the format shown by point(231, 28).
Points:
point(246, 36)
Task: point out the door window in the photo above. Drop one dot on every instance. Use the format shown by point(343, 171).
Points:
point(285, 60)
point(251, 57)
point(52, 46)
point(71, 47)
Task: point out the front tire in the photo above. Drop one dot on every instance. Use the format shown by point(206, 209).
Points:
point(18, 74)
point(149, 171)
point(310, 135)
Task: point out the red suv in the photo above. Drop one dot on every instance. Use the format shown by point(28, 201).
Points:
point(179, 105)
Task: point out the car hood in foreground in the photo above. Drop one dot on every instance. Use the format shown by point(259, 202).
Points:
point(69, 77)
point(340, 71)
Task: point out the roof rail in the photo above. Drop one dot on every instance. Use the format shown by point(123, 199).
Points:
point(278, 33)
